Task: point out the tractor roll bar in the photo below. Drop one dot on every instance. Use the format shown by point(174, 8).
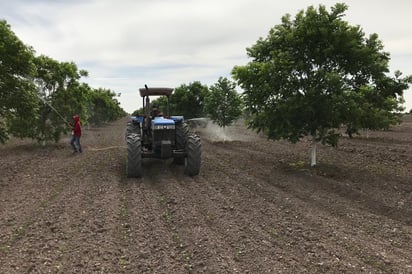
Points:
point(155, 91)
point(146, 92)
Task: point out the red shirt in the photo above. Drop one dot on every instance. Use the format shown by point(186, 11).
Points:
point(77, 130)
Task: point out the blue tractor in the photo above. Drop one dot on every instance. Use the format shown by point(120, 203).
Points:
point(154, 135)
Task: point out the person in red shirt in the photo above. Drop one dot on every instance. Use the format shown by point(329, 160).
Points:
point(76, 134)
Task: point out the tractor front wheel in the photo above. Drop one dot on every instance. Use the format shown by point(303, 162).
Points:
point(192, 165)
point(134, 156)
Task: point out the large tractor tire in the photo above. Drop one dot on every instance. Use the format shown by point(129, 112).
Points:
point(134, 156)
point(182, 131)
point(132, 129)
point(193, 146)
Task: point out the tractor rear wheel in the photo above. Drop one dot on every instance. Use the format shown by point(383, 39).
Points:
point(182, 130)
point(193, 145)
point(132, 129)
point(134, 156)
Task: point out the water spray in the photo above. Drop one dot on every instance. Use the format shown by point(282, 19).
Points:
point(55, 110)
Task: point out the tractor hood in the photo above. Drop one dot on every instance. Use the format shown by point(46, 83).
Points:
point(161, 121)
point(177, 118)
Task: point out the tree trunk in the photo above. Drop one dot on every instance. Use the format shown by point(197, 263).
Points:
point(313, 152)
point(367, 133)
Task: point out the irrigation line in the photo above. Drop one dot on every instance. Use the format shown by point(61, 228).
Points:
point(104, 148)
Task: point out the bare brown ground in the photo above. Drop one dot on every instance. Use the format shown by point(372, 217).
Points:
point(256, 207)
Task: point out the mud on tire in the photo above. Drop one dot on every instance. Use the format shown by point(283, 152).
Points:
point(134, 156)
point(193, 160)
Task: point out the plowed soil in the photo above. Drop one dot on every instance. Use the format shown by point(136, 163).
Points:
point(256, 206)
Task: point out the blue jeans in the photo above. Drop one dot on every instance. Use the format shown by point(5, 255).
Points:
point(75, 142)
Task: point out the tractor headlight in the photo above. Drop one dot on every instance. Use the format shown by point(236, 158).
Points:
point(157, 127)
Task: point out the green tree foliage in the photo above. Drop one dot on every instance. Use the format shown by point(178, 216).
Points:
point(306, 77)
point(223, 104)
point(17, 96)
point(62, 96)
point(137, 112)
point(365, 113)
point(104, 107)
point(39, 95)
point(188, 100)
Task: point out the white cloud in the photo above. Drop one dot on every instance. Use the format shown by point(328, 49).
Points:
point(125, 44)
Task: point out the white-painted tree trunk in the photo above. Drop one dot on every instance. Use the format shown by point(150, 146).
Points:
point(366, 132)
point(224, 135)
point(43, 140)
point(313, 152)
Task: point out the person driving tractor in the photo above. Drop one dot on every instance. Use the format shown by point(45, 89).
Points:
point(155, 112)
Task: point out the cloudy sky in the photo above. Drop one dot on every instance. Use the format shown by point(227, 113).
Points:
point(125, 44)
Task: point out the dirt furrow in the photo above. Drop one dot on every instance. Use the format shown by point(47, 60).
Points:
point(73, 225)
point(149, 241)
point(256, 207)
point(312, 198)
